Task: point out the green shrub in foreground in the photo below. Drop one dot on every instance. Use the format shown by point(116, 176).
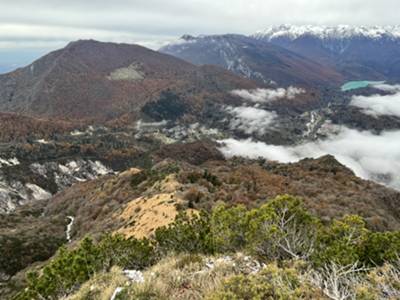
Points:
point(282, 229)
point(187, 234)
point(279, 230)
point(116, 250)
point(70, 268)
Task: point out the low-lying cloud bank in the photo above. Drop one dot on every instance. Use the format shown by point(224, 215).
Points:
point(268, 95)
point(250, 119)
point(378, 105)
point(370, 156)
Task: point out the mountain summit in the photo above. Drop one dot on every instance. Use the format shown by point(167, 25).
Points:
point(103, 81)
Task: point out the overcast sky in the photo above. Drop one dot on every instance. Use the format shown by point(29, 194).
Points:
point(32, 27)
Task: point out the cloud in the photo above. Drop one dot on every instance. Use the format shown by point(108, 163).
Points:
point(268, 95)
point(255, 149)
point(250, 119)
point(152, 23)
point(378, 105)
point(165, 19)
point(370, 156)
point(386, 87)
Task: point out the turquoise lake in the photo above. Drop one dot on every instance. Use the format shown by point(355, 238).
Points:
point(353, 85)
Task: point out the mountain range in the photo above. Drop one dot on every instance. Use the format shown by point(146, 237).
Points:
point(341, 52)
point(254, 59)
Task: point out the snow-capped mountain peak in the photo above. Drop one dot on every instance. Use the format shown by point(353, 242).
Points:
point(293, 32)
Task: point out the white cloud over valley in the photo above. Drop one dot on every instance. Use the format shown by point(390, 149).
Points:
point(367, 154)
point(250, 119)
point(378, 105)
point(268, 95)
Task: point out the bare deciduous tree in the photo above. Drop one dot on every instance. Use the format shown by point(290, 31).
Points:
point(296, 240)
point(337, 282)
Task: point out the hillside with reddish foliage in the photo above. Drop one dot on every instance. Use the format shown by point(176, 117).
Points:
point(103, 81)
point(14, 127)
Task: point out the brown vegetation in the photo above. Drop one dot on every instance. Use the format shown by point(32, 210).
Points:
point(14, 127)
point(74, 83)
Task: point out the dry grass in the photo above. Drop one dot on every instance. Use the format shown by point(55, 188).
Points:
point(195, 277)
point(175, 277)
point(101, 286)
point(142, 216)
point(191, 276)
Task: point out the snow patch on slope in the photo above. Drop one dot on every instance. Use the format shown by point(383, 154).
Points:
point(9, 162)
point(69, 228)
point(312, 125)
point(229, 54)
point(15, 193)
point(37, 192)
